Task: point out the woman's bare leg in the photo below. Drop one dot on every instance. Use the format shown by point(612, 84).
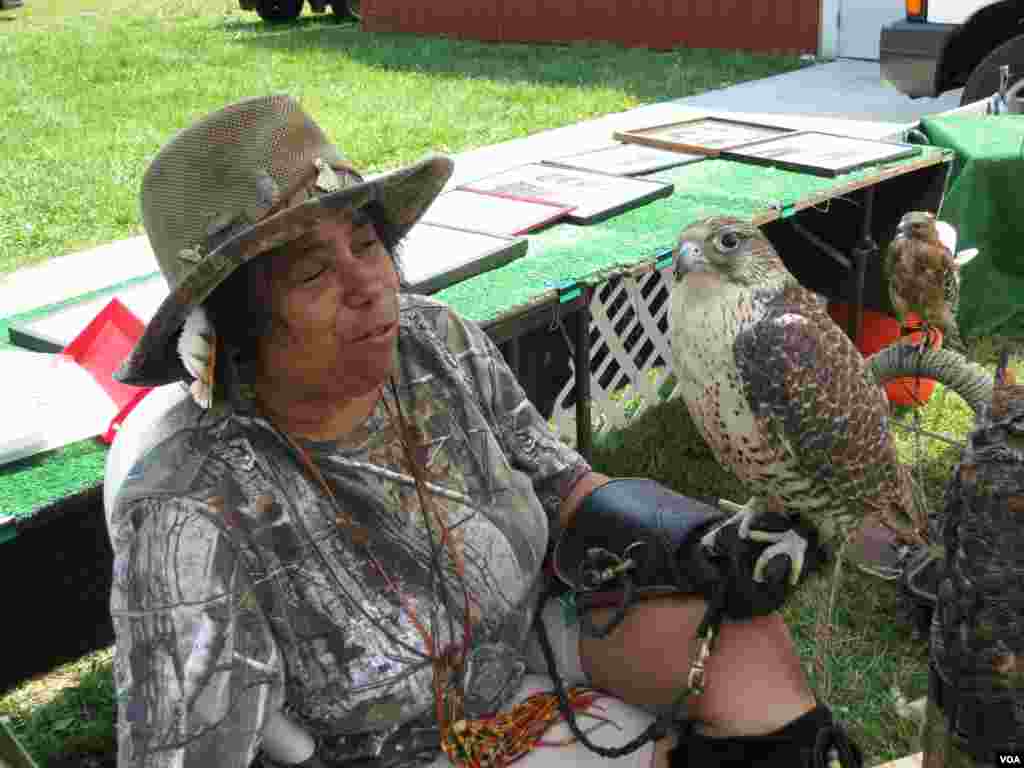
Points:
point(754, 683)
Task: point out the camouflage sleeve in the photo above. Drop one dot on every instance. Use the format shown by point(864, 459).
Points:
point(196, 668)
point(529, 442)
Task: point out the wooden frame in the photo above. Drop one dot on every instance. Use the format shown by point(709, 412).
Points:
point(707, 136)
point(499, 215)
point(593, 196)
point(822, 154)
point(449, 255)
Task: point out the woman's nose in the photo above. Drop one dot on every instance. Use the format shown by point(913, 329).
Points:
point(362, 282)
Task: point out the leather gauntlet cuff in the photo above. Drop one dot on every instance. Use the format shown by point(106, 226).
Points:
point(637, 533)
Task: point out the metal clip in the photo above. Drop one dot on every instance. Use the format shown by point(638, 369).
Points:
point(695, 680)
point(613, 572)
point(191, 255)
point(606, 567)
point(326, 178)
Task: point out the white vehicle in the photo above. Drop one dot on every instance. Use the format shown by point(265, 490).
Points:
point(946, 44)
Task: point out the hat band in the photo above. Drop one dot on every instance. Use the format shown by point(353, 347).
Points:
point(321, 176)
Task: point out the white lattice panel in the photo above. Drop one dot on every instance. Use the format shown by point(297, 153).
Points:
point(629, 352)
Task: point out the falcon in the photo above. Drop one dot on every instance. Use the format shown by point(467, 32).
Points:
point(923, 276)
point(781, 395)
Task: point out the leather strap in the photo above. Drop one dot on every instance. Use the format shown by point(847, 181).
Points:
point(636, 527)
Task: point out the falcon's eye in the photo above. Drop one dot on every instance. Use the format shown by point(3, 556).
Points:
point(727, 242)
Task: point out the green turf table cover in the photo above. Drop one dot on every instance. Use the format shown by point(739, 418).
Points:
point(985, 202)
point(559, 259)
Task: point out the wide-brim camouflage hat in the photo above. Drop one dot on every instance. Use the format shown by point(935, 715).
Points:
point(246, 179)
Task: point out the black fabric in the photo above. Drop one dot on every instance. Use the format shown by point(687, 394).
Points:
point(659, 530)
point(803, 743)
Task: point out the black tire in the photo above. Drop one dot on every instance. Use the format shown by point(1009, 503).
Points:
point(340, 10)
point(984, 79)
point(276, 11)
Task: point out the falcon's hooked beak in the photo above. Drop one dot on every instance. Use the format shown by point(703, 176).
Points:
point(689, 258)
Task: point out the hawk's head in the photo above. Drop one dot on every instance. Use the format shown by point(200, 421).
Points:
point(729, 250)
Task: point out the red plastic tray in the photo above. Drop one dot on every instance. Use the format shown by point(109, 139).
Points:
point(101, 347)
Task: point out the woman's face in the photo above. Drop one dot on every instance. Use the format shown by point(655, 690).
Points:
point(333, 296)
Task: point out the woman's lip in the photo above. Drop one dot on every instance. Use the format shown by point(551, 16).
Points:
point(377, 333)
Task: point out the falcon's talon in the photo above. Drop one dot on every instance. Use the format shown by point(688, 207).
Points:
point(745, 514)
point(731, 506)
point(791, 544)
point(708, 539)
point(745, 532)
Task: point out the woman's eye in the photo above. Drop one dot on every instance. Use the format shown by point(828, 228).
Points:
point(307, 271)
point(312, 275)
point(363, 246)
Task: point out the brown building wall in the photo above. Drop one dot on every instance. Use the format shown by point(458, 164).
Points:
point(754, 25)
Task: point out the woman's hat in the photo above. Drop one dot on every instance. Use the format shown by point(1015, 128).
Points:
point(249, 178)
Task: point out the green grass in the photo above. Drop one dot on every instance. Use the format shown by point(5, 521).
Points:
point(67, 712)
point(89, 92)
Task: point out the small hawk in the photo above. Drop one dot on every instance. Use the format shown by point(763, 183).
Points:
point(780, 393)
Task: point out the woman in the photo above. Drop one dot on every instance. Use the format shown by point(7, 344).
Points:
point(321, 553)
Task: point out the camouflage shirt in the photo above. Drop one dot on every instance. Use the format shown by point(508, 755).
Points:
point(240, 587)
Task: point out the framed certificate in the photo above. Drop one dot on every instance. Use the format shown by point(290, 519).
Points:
point(625, 160)
point(822, 154)
point(591, 196)
point(491, 213)
point(702, 136)
point(434, 256)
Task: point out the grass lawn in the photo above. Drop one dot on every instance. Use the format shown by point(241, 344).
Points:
point(90, 89)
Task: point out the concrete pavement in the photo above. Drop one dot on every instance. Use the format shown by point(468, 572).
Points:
point(850, 89)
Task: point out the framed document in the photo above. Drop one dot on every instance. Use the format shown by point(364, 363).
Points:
point(592, 196)
point(822, 154)
point(489, 213)
point(703, 136)
point(625, 160)
point(434, 257)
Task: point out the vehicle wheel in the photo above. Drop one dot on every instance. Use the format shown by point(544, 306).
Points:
point(341, 11)
point(279, 10)
point(984, 80)
point(354, 9)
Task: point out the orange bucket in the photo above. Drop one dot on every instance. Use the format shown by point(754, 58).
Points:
point(878, 331)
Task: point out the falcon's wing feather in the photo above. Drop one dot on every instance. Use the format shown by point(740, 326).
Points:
point(810, 388)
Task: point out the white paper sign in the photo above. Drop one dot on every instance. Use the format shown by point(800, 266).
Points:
point(625, 160)
point(434, 257)
point(48, 401)
point(64, 326)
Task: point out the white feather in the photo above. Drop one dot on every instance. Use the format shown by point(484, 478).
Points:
point(196, 347)
point(965, 256)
